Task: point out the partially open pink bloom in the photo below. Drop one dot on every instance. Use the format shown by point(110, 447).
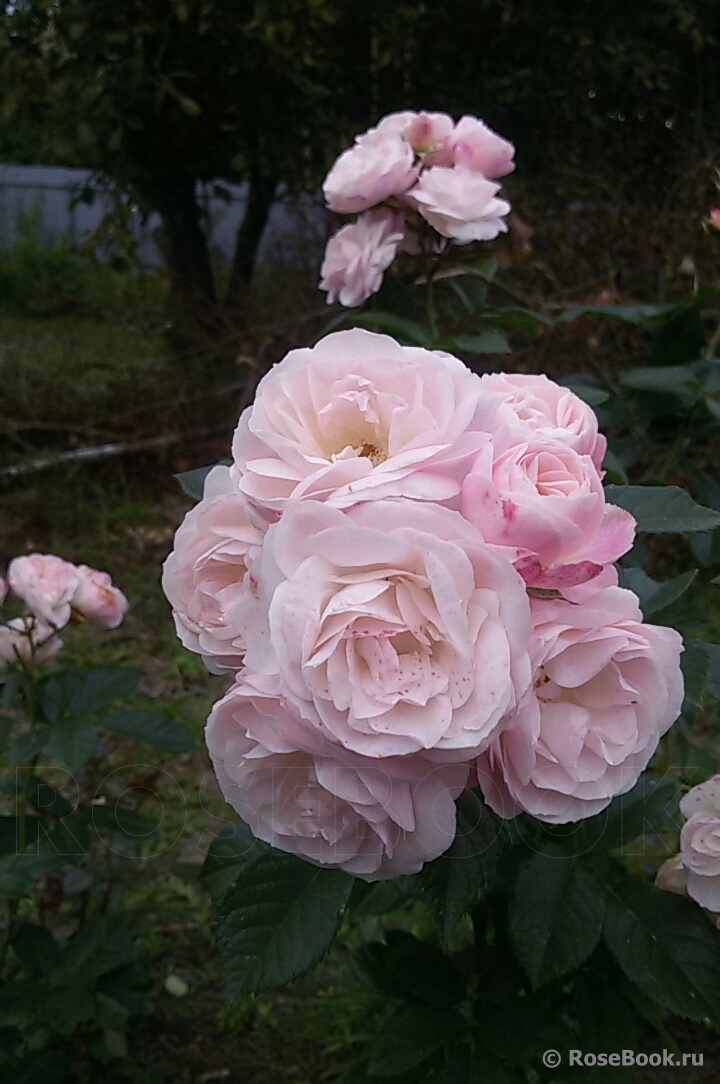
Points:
point(714, 218)
point(359, 417)
point(206, 578)
point(427, 133)
point(358, 255)
point(672, 876)
point(27, 638)
point(316, 800)
point(700, 843)
point(392, 627)
point(369, 173)
point(46, 584)
point(547, 501)
point(606, 688)
point(533, 403)
point(96, 599)
point(476, 146)
point(459, 203)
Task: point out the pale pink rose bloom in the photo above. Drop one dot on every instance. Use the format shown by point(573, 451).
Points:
point(369, 173)
point(459, 203)
point(606, 688)
point(330, 807)
point(46, 584)
point(358, 255)
point(206, 578)
point(671, 877)
point(478, 147)
point(28, 638)
point(359, 417)
point(714, 218)
point(427, 134)
point(533, 402)
point(96, 599)
point(393, 627)
point(700, 842)
point(544, 499)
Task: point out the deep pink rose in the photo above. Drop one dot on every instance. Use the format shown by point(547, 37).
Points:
point(533, 403)
point(96, 599)
point(46, 584)
point(544, 499)
point(358, 255)
point(316, 800)
point(369, 173)
point(606, 688)
point(359, 417)
point(206, 578)
point(392, 627)
point(476, 146)
point(700, 843)
point(459, 203)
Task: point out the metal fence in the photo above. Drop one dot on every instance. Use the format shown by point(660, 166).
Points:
point(48, 196)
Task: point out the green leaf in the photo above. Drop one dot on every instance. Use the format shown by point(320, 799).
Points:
point(666, 946)
point(115, 818)
point(700, 663)
point(663, 509)
point(679, 339)
point(454, 882)
point(41, 1067)
point(73, 743)
point(605, 1023)
point(100, 946)
point(633, 314)
point(656, 596)
point(18, 873)
point(651, 804)
point(277, 921)
point(679, 380)
point(409, 1037)
point(412, 969)
point(79, 693)
point(476, 1067)
point(487, 342)
point(556, 915)
point(68, 1006)
point(406, 331)
point(591, 392)
point(192, 482)
point(230, 854)
point(46, 798)
point(150, 728)
point(35, 947)
point(9, 832)
point(28, 746)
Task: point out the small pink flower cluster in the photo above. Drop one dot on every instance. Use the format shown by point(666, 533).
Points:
point(408, 569)
point(417, 180)
point(695, 871)
point(53, 591)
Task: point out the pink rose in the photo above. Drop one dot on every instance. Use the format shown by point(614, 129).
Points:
point(714, 218)
point(459, 204)
point(427, 133)
point(206, 577)
point(533, 402)
point(46, 584)
point(358, 255)
point(393, 627)
point(369, 173)
point(96, 599)
point(320, 802)
point(359, 417)
point(28, 638)
point(700, 843)
point(476, 146)
point(547, 501)
point(606, 688)
point(672, 877)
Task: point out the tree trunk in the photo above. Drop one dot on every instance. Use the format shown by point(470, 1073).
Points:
point(261, 192)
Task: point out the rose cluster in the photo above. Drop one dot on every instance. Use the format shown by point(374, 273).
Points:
point(416, 180)
point(53, 592)
point(408, 569)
